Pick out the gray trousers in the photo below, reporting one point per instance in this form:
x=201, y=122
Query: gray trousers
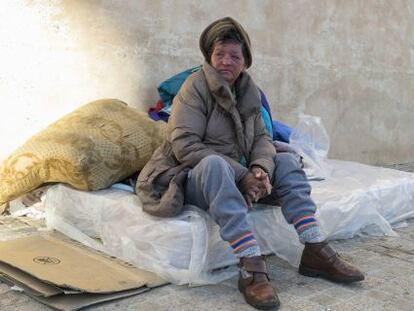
x=211, y=186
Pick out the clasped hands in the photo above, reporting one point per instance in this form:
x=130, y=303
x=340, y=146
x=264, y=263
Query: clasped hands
x=255, y=185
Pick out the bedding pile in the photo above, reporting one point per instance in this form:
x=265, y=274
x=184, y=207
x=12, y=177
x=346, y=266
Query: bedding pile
x=352, y=199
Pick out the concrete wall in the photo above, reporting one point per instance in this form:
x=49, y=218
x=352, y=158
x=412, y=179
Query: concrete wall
x=348, y=61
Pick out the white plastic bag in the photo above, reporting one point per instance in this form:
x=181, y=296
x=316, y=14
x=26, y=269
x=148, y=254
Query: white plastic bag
x=311, y=141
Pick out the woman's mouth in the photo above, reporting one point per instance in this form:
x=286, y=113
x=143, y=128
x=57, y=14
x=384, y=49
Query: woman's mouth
x=225, y=71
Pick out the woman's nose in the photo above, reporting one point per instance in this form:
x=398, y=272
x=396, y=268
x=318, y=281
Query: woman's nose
x=226, y=60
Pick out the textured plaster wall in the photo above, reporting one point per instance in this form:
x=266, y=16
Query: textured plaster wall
x=349, y=62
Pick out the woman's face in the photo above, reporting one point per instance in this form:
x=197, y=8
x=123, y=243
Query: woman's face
x=227, y=59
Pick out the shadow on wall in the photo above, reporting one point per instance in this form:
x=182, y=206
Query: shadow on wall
x=359, y=116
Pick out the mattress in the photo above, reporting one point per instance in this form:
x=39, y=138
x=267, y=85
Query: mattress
x=355, y=199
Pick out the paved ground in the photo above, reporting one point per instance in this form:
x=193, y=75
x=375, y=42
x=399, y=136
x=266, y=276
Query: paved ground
x=387, y=261
x=408, y=167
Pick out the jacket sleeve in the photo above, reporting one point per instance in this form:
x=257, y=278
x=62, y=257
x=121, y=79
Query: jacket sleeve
x=186, y=128
x=263, y=152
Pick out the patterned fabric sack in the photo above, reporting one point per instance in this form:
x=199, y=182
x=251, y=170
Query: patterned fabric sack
x=91, y=148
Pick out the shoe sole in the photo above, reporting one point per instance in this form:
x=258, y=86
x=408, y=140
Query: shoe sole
x=320, y=274
x=260, y=306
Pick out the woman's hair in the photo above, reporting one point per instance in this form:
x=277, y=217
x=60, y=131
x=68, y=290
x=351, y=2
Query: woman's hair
x=228, y=36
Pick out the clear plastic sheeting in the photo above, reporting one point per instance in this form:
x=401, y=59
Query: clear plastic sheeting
x=311, y=141
x=112, y=221
x=356, y=199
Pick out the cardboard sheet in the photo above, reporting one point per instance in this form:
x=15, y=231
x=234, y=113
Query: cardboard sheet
x=66, y=275
x=29, y=284
x=76, y=302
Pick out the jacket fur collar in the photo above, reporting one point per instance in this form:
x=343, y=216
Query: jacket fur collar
x=248, y=96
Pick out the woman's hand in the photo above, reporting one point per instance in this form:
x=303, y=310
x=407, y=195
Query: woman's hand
x=255, y=185
x=266, y=186
x=250, y=188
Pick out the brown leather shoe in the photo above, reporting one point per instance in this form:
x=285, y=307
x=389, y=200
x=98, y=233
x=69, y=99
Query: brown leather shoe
x=320, y=260
x=257, y=290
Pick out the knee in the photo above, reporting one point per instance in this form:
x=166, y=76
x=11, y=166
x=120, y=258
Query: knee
x=286, y=163
x=213, y=162
x=287, y=159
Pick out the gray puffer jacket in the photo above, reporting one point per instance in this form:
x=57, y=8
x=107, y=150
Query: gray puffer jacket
x=206, y=119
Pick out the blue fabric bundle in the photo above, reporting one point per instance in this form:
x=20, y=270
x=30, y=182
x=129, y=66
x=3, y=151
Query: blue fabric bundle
x=170, y=87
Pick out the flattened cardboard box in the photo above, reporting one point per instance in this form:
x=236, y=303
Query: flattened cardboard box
x=65, y=275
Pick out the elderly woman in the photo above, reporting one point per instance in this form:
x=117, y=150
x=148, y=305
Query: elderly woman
x=219, y=157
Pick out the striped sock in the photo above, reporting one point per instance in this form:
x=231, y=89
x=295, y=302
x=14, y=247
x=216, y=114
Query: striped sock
x=245, y=246
x=250, y=251
x=308, y=230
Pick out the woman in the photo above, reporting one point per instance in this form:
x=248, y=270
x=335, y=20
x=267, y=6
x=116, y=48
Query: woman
x=218, y=156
